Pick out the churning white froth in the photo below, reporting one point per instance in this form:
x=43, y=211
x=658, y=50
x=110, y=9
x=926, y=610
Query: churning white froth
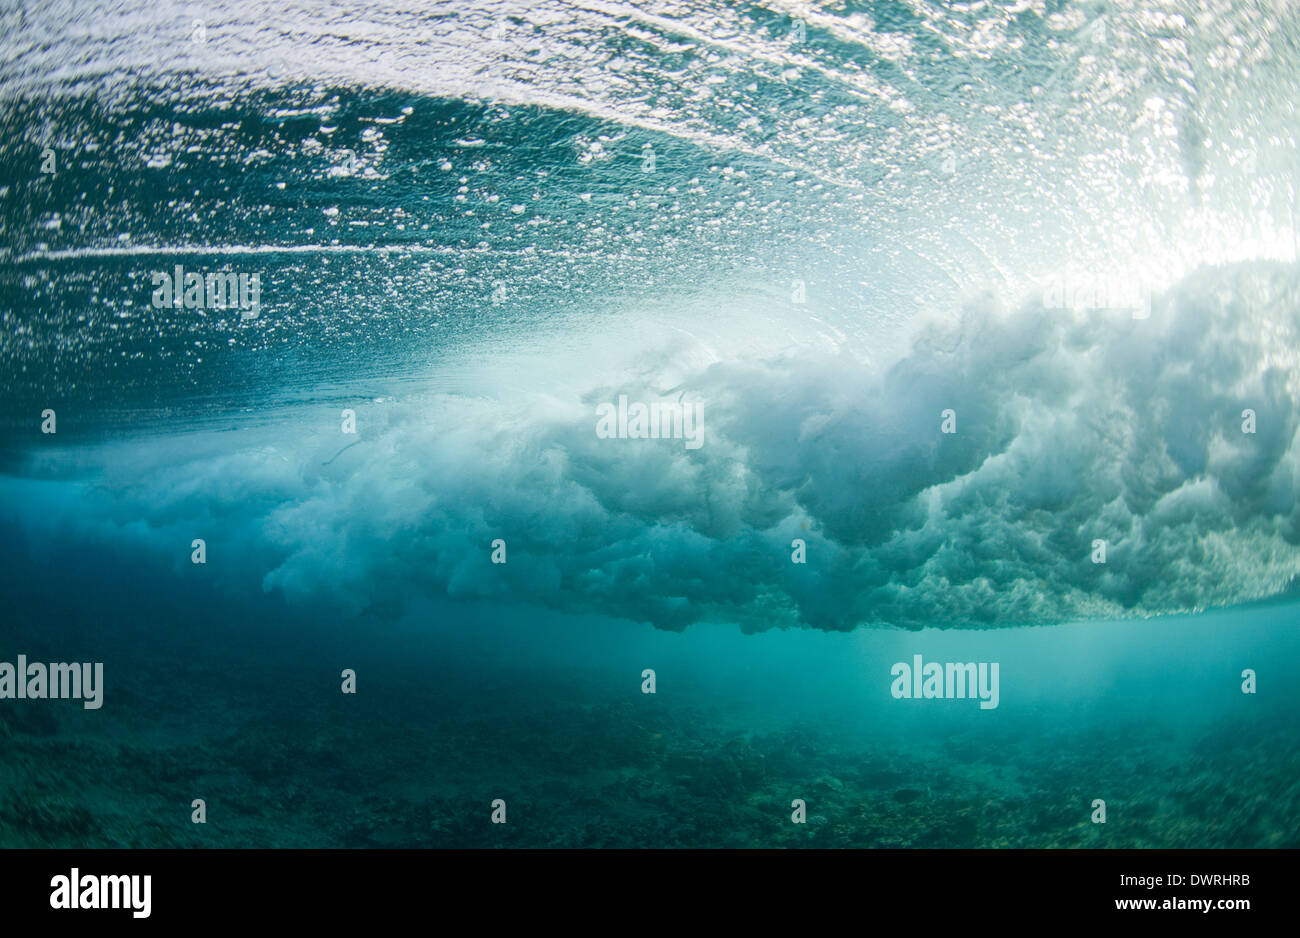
x=1071, y=427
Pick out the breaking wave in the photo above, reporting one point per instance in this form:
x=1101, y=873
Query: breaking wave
x=474, y=223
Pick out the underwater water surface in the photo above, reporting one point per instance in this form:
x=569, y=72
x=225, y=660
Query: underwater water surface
x=971, y=332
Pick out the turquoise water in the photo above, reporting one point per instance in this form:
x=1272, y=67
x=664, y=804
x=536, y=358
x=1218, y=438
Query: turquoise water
x=958, y=295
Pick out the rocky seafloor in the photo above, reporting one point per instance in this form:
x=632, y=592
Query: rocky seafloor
x=415, y=759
